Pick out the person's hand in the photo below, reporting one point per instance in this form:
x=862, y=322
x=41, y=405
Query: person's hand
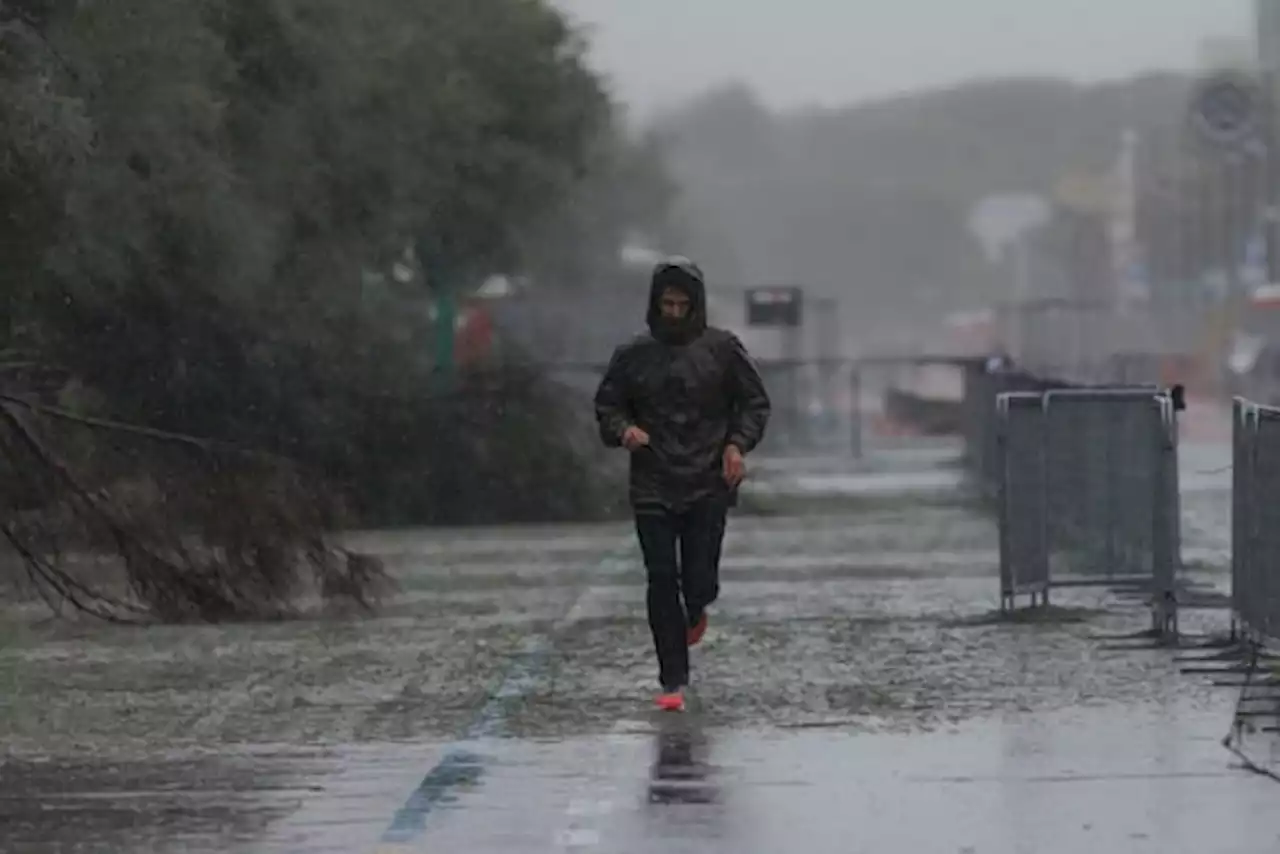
x=633, y=438
x=735, y=467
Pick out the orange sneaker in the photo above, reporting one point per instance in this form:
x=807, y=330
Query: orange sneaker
x=671, y=701
x=697, y=630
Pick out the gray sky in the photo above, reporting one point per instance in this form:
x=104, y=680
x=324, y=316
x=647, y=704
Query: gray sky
x=839, y=51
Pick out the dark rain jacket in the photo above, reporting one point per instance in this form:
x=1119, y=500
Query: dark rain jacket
x=693, y=389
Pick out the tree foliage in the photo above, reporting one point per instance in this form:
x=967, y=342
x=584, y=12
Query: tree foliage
x=194, y=194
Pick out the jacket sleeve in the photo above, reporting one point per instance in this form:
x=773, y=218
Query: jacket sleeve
x=613, y=414
x=750, y=404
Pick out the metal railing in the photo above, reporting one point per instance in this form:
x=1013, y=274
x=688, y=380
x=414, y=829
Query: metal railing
x=1087, y=494
x=816, y=405
x=850, y=407
x=1255, y=521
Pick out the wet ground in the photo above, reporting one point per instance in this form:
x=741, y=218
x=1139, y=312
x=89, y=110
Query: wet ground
x=856, y=692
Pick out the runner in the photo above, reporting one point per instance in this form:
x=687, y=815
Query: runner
x=687, y=402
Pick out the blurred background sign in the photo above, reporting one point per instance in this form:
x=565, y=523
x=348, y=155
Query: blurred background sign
x=1226, y=108
x=775, y=306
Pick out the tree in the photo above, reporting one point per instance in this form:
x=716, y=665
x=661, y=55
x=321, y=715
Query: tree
x=201, y=196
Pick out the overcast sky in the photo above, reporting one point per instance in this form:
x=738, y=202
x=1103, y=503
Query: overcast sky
x=802, y=52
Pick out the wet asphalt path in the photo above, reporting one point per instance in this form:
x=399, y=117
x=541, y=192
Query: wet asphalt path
x=855, y=694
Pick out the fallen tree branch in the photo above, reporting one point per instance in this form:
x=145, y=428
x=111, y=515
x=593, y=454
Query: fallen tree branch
x=195, y=529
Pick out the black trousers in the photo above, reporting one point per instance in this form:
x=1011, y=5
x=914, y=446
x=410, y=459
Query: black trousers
x=681, y=551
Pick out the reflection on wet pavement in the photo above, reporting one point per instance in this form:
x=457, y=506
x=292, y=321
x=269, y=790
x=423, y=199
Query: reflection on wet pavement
x=855, y=693
x=680, y=774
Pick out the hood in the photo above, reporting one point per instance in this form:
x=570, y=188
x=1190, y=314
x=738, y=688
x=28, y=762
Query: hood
x=681, y=273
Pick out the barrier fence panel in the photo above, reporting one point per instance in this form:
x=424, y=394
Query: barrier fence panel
x=1104, y=479
x=1255, y=535
x=981, y=426
x=1243, y=437
x=1024, y=554
x=1265, y=527
x=982, y=387
x=1105, y=459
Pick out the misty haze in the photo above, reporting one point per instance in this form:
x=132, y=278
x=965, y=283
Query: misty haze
x=603, y=425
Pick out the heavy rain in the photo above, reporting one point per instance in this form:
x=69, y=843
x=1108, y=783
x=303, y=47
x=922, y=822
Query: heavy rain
x=354, y=350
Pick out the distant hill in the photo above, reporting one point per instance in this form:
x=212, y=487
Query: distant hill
x=870, y=202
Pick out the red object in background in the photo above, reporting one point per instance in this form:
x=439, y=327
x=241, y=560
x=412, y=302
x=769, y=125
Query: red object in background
x=473, y=341
x=971, y=332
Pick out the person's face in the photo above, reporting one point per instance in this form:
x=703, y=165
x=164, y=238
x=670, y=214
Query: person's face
x=674, y=304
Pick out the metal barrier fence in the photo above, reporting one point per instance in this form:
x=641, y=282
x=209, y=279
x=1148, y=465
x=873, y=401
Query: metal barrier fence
x=983, y=385
x=1255, y=520
x=1088, y=494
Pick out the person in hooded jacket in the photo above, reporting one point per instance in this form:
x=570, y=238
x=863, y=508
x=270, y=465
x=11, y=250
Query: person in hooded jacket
x=687, y=402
